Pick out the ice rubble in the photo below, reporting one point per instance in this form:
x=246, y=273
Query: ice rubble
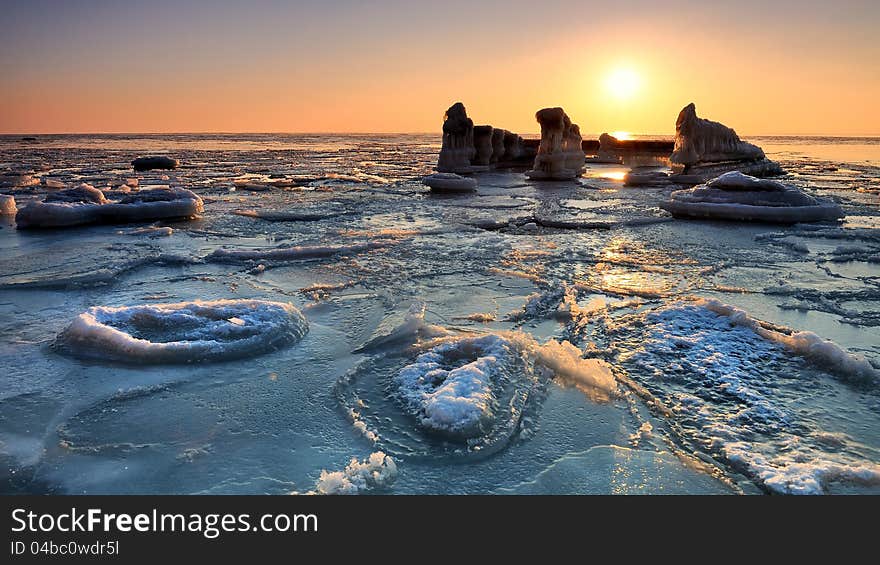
x=154, y=162
x=706, y=147
x=456, y=387
x=712, y=368
x=556, y=152
x=88, y=205
x=7, y=205
x=292, y=252
x=450, y=182
x=183, y=332
x=458, y=141
x=376, y=471
x=736, y=196
x=807, y=344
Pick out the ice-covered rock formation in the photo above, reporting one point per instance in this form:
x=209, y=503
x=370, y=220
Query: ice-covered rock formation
x=7, y=205
x=458, y=141
x=735, y=196
x=551, y=162
x=154, y=162
x=702, y=144
x=482, y=146
x=512, y=146
x=575, y=156
x=497, y=145
x=450, y=182
x=185, y=332
x=88, y=205
x=609, y=150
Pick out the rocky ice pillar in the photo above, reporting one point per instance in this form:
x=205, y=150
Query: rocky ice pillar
x=575, y=156
x=458, y=141
x=497, y=145
x=482, y=145
x=550, y=162
x=698, y=140
x=512, y=146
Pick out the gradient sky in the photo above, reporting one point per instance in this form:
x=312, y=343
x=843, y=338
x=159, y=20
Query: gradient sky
x=807, y=67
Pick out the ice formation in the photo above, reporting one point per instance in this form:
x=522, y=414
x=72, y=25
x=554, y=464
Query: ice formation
x=575, y=157
x=497, y=145
x=482, y=146
x=396, y=332
x=645, y=178
x=377, y=471
x=456, y=388
x=554, y=156
x=7, y=205
x=701, y=143
x=88, y=205
x=450, y=182
x=292, y=252
x=458, y=141
x=154, y=162
x=608, y=150
x=512, y=147
x=735, y=196
x=184, y=332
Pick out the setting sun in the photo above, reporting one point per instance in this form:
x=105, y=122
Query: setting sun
x=622, y=83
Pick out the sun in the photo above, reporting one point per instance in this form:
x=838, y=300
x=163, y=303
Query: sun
x=622, y=83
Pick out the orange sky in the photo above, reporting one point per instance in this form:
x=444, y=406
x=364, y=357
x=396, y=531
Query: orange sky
x=393, y=67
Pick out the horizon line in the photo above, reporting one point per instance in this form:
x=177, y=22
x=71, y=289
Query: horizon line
x=438, y=133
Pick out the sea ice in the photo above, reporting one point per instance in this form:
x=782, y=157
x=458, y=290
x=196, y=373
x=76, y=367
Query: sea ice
x=87, y=205
x=450, y=182
x=184, y=332
x=735, y=196
x=377, y=471
x=292, y=252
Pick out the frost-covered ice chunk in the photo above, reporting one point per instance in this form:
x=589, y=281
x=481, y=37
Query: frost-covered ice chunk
x=456, y=388
x=183, y=332
x=293, y=252
x=7, y=205
x=154, y=162
x=554, y=152
x=450, y=182
x=735, y=196
x=377, y=471
x=88, y=205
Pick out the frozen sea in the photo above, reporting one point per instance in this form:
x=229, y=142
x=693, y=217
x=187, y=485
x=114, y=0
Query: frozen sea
x=705, y=398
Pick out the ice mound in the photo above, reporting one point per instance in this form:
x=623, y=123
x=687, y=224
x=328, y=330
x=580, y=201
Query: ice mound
x=376, y=471
x=458, y=141
x=736, y=196
x=184, y=332
x=456, y=388
x=555, y=152
x=88, y=205
x=450, y=182
x=154, y=162
x=700, y=142
x=292, y=252
x=7, y=205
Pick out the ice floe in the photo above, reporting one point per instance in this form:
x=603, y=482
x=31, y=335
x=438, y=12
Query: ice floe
x=736, y=196
x=450, y=182
x=88, y=205
x=183, y=332
x=292, y=252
